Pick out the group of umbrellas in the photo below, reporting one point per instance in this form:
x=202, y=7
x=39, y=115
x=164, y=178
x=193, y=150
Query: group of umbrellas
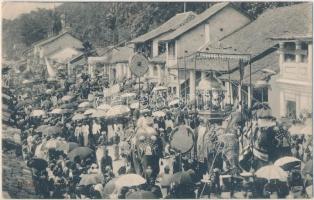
x=279, y=170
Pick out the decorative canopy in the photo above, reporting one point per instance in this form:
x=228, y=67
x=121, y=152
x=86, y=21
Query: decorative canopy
x=210, y=83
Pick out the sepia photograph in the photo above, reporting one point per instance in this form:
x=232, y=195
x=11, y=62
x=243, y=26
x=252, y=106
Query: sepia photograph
x=157, y=100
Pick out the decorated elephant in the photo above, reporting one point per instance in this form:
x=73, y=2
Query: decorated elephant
x=146, y=148
x=266, y=141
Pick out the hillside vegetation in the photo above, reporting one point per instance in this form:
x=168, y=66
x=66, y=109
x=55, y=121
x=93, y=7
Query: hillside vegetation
x=103, y=23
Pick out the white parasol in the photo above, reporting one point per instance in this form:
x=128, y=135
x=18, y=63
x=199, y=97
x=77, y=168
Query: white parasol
x=90, y=111
x=78, y=117
x=60, y=111
x=84, y=105
x=128, y=95
x=37, y=113
x=129, y=180
x=287, y=162
x=67, y=98
x=135, y=105
x=159, y=114
x=117, y=111
x=272, y=172
x=104, y=106
x=99, y=114
x=174, y=102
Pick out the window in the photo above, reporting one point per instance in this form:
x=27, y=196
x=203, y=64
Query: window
x=291, y=109
x=174, y=90
x=161, y=48
x=289, y=51
x=304, y=52
x=172, y=49
x=155, y=71
x=260, y=95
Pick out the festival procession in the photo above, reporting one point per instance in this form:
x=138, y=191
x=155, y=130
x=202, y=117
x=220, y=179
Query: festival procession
x=211, y=104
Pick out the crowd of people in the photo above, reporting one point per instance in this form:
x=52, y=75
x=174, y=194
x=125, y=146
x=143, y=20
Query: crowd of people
x=60, y=173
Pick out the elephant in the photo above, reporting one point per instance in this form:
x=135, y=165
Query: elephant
x=146, y=148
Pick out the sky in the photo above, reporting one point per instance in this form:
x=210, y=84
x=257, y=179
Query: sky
x=11, y=10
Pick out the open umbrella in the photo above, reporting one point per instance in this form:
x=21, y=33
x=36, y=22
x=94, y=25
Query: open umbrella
x=272, y=172
x=308, y=168
x=129, y=180
x=69, y=105
x=67, y=98
x=174, y=102
x=40, y=128
x=78, y=117
x=90, y=179
x=135, y=105
x=141, y=194
x=99, y=114
x=90, y=111
x=84, y=105
x=128, y=95
x=81, y=152
x=52, y=130
x=104, y=107
x=38, y=113
x=37, y=163
x=159, y=114
x=117, y=111
x=287, y=162
x=60, y=111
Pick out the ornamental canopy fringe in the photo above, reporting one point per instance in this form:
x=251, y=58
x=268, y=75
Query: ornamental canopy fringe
x=212, y=61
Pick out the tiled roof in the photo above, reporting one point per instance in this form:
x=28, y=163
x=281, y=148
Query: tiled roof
x=51, y=39
x=255, y=38
x=172, y=24
x=198, y=19
x=270, y=61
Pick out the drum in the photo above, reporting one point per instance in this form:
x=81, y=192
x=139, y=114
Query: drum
x=182, y=139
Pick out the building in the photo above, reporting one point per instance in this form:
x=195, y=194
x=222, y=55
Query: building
x=207, y=27
x=295, y=78
x=54, y=53
x=278, y=40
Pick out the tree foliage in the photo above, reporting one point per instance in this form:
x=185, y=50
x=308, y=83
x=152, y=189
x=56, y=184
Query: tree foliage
x=103, y=23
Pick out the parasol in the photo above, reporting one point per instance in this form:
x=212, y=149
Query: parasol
x=84, y=105
x=68, y=105
x=40, y=128
x=37, y=163
x=81, y=152
x=67, y=98
x=141, y=194
x=90, y=179
x=129, y=180
x=271, y=172
x=51, y=130
x=78, y=117
x=90, y=111
x=128, y=95
x=287, y=162
x=135, y=105
x=38, y=113
x=104, y=106
x=158, y=88
x=174, y=102
x=159, y=114
x=60, y=111
x=99, y=114
x=119, y=110
x=182, y=139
